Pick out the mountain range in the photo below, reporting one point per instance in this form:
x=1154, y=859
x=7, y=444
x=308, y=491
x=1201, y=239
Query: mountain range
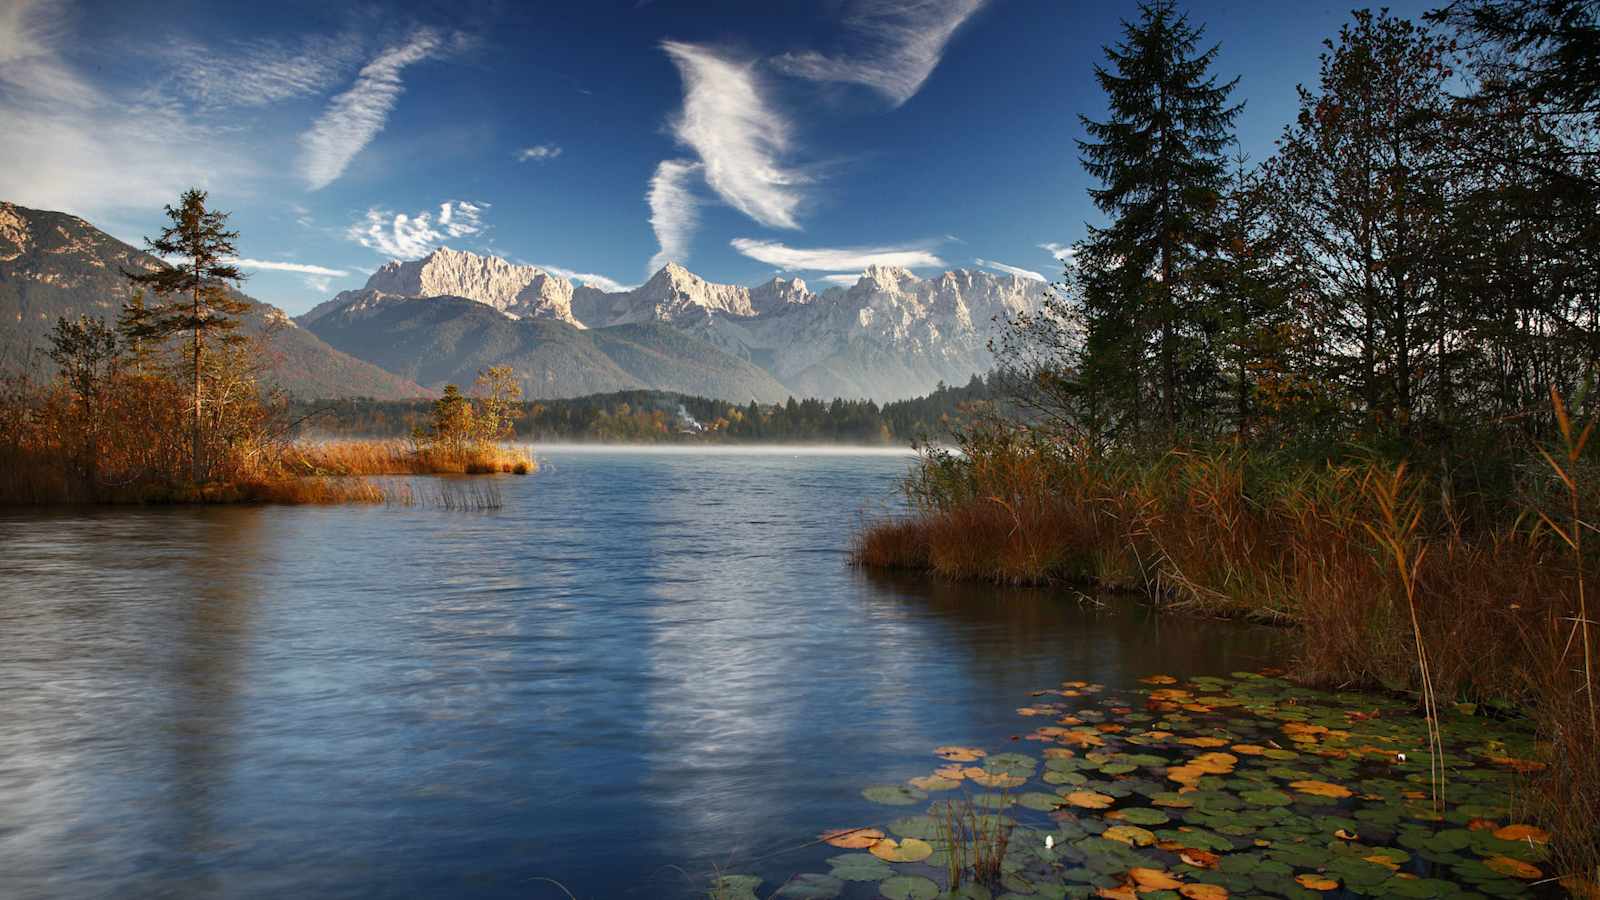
x=890, y=335
x=420, y=324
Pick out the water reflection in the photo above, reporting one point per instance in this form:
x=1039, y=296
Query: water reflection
x=640, y=663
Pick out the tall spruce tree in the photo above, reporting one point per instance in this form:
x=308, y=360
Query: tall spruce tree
x=198, y=284
x=1160, y=160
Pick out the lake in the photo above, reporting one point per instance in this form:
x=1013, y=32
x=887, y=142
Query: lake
x=643, y=666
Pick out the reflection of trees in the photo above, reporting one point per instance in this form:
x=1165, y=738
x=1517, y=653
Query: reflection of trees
x=214, y=587
x=1110, y=638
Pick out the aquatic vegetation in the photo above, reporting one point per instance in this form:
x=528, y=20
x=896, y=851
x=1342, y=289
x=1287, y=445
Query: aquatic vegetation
x=1215, y=787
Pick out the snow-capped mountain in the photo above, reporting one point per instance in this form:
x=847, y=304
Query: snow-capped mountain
x=522, y=292
x=890, y=335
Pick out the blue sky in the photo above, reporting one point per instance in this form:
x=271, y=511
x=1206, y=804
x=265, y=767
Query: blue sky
x=597, y=138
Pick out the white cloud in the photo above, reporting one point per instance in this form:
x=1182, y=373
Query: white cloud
x=262, y=71
x=673, y=210
x=845, y=280
x=540, y=153
x=267, y=265
x=610, y=286
x=356, y=116
x=825, y=259
x=1010, y=270
x=399, y=236
x=67, y=145
x=740, y=138
x=894, y=45
x=1062, y=252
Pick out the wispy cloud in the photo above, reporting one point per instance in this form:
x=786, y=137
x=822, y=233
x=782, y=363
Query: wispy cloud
x=66, y=144
x=1010, y=270
x=892, y=47
x=1062, y=252
x=609, y=285
x=356, y=116
x=843, y=279
x=399, y=236
x=833, y=259
x=740, y=139
x=267, y=265
x=539, y=153
x=674, y=210
x=261, y=71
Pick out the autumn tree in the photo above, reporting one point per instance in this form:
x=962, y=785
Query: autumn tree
x=198, y=302
x=1363, y=188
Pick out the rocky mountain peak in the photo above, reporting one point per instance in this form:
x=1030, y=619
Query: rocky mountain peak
x=520, y=291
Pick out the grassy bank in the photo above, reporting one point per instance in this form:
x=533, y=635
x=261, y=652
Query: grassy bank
x=1473, y=589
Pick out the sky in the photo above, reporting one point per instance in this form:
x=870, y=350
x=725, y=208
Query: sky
x=599, y=139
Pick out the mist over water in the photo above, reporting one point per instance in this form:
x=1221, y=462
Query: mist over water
x=647, y=659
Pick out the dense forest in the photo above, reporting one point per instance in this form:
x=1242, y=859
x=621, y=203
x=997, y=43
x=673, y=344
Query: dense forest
x=661, y=417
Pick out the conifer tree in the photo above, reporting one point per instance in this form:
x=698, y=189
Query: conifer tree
x=1159, y=158
x=198, y=284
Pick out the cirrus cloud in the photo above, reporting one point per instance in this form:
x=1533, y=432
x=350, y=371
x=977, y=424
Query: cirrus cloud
x=356, y=116
x=894, y=45
x=399, y=236
x=832, y=259
x=1010, y=270
x=674, y=210
x=738, y=135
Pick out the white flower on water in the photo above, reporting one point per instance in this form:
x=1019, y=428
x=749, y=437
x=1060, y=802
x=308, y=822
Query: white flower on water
x=1049, y=841
x=1399, y=757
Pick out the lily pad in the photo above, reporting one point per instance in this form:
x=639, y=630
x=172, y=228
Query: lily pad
x=909, y=887
x=894, y=795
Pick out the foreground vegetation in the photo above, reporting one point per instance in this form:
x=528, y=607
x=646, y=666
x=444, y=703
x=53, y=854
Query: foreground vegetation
x=166, y=406
x=1345, y=390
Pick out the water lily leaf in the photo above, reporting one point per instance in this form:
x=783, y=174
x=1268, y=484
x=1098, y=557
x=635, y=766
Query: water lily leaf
x=859, y=867
x=1039, y=800
x=1523, y=833
x=1132, y=835
x=1204, y=892
x=1140, y=815
x=1147, y=879
x=1089, y=800
x=1159, y=679
x=1266, y=798
x=924, y=827
x=959, y=754
x=1515, y=868
x=909, y=887
x=894, y=795
x=909, y=850
x=1312, y=882
x=1012, y=764
x=851, y=838
x=1200, y=859
x=735, y=887
x=1322, y=789
x=811, y=887
x=997, y=779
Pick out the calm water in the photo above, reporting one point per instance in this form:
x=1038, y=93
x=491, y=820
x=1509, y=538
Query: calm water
x=642, y=664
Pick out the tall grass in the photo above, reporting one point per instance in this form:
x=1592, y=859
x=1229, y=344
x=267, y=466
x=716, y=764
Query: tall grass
x=1393, y=578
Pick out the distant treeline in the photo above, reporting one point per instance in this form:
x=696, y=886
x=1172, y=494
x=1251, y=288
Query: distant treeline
x=664, y=417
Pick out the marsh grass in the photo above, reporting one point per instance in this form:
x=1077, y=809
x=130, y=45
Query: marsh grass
x=972, y=839
x=1392, y=578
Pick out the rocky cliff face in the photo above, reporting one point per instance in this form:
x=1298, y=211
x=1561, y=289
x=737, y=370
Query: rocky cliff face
x=523, y=292
x=890, y=335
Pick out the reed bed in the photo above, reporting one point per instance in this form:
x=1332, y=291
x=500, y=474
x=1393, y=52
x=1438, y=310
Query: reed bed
x=1392, y=579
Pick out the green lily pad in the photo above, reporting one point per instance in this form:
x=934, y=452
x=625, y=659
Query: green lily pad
x=811, y=887
x=909, y=887
x=894, y=795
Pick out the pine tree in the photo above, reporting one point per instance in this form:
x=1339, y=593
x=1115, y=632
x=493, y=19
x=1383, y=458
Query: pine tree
x=1160, y=161
x=199, y=284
